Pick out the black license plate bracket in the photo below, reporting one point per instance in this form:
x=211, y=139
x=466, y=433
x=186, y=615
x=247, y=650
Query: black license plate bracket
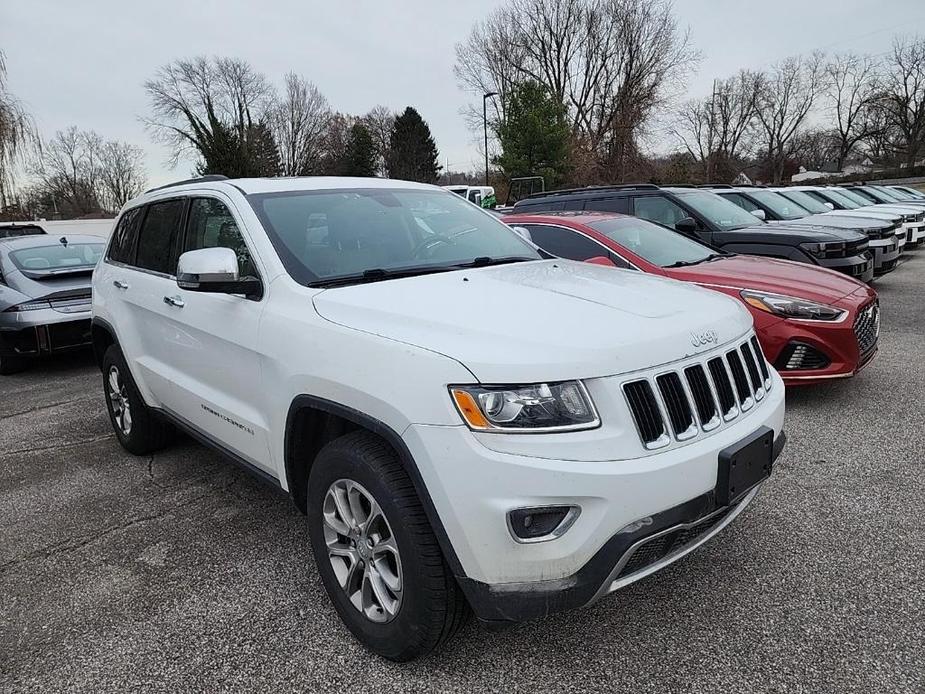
x=743, y=465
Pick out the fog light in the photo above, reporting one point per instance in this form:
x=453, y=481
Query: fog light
x=541, y=523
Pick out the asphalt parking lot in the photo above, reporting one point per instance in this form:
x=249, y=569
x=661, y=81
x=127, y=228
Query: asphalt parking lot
x=181, y=573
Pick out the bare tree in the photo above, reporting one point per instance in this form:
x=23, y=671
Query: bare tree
x=379, y=122
x=299, y=121
x=18, y=136
x=904, y=95
x=122, y=175
x=69, y=171
x=786, y=99
x=718, y=131
x=852, y=89
x=199, y=105
x=78, y=172
x=611, y=62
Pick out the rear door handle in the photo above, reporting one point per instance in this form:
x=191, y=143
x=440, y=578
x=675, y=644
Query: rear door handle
x=174, y=301
x=119, y=284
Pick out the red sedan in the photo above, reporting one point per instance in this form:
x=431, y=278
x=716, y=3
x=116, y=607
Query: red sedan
x=814, y=324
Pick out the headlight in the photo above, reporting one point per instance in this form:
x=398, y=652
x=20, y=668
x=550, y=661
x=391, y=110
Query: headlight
x=824, y=250
x=791, y=306
x=564, y=406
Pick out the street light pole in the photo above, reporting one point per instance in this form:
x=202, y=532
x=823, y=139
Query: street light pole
x=485, y=98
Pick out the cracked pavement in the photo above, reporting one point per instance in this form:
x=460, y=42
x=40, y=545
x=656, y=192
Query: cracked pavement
x=179, y=572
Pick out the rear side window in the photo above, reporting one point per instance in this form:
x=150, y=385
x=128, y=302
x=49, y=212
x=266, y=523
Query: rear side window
x=122, y=246
x=210, y=225
x=565, y=243
x=158, y=237
x=612, y=204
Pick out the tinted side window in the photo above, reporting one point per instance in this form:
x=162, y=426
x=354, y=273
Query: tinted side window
x=611, y=204
x=122, y=246
x=211, y=225
x=158, y=236
x=657, y=209
x=565, y=243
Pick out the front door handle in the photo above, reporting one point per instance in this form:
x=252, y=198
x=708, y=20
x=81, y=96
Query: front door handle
x=174, y=301
x=119, y=284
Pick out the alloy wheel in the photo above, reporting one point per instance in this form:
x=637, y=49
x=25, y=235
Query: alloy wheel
x=118, y=401
x=362, y=550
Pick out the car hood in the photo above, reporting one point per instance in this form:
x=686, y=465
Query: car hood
x=770, y=275
x=803, y=234
x=840, y=222
x=543, y=320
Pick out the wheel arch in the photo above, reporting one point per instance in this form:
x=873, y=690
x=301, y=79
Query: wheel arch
x=103, y=335
x=313, y=421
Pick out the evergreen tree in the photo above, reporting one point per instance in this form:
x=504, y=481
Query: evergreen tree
x=360, y=156
x=534, y=135
x=228, y=154
x=412, y=154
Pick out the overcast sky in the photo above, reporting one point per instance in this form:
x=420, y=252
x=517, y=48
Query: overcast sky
x=83, y=63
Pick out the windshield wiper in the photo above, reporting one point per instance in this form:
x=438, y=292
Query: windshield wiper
x=707, y=259
x=485, y=261
x=378, y=274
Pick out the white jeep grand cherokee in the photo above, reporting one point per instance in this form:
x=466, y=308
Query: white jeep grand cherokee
x=466, y=423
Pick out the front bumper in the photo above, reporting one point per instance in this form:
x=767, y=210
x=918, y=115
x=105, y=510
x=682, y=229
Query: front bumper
x=886, y=253
x=45, y=331
x=837, y=341
x=860, y=267
x=473, y=487
x=676, y=531
x=915, y=233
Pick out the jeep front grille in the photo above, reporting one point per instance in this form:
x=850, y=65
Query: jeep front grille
x=867, y=327
x=680, y=404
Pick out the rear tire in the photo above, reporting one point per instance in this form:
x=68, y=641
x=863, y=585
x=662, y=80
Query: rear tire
x=12, y=365
x=138, y=428
x=390, y=586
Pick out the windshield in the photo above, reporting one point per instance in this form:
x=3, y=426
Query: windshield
x=652, y=242
x=843, y=199
x=875, y=194
x=891, y=195
x=720, y=212
x=778, y=204
x=856, y=197
x=805, y=200
x=73, y=256
x=344, y=233
x=897, y=193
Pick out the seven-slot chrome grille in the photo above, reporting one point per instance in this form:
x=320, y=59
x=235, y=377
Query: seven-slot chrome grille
x=682, y=403
x=867, y=327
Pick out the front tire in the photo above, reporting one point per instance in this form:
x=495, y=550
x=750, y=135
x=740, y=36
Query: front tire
x=138, y=429
x=376, y=552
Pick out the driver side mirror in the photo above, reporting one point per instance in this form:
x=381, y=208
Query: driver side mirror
x=829, y=205
x=688, y=226
x=215, y=270
x=758, y=213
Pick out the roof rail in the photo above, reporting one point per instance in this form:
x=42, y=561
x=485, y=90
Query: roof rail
x=718, y=185
x=200, y=179
x=594, y=189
